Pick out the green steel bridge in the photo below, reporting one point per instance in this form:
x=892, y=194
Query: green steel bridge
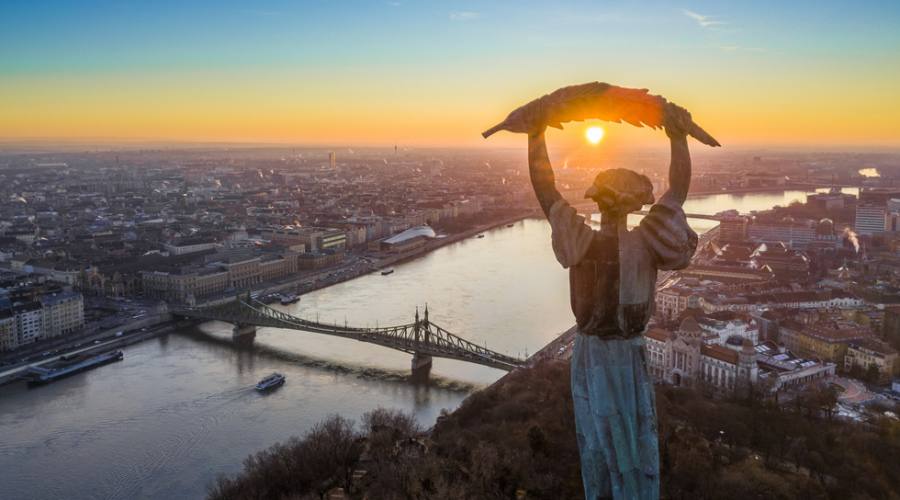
x=421, y=338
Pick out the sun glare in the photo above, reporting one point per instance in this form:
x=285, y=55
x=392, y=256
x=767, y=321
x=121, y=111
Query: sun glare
x=594, y=135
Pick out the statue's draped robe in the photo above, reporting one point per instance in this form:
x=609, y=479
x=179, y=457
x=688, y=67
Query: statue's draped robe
x=613, y=281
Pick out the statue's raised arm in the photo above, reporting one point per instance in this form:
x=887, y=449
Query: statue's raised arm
x=677, y=122
x=541, y=172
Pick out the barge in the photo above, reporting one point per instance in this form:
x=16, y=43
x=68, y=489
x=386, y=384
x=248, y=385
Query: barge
x=69, y=365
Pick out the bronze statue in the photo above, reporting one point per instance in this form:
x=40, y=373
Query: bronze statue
x=612, y=276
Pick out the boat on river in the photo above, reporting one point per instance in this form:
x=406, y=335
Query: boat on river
x=288, y=298
x=69, y=365
x=387, y=272
x=270, y=382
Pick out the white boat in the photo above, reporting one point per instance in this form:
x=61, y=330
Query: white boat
x=288, y=298
x=272, y=381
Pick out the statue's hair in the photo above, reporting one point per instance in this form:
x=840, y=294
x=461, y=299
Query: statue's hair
x=620, y=191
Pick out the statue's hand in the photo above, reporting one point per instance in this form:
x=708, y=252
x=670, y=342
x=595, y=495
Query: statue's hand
x=677, y=121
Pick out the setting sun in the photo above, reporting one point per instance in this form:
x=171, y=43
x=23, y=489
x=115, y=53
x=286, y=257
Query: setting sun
x=594, y=135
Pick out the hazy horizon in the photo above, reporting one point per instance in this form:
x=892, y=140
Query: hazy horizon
x=75, y=145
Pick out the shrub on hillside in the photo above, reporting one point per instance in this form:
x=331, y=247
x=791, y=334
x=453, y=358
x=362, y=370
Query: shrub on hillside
x=518, y=436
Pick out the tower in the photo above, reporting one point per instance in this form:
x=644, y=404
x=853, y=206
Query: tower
x=421, y=363
x=747, y=370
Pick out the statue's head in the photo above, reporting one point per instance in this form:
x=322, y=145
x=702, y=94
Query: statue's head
x=620, y=191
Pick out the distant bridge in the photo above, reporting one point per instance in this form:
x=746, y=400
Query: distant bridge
x=689, y=216
x=421, y=338
x=589, y=204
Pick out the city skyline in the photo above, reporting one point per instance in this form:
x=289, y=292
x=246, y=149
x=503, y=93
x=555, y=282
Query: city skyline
x=436, y=74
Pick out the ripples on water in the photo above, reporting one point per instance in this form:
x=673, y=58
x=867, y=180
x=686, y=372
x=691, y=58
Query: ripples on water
x=181, y=409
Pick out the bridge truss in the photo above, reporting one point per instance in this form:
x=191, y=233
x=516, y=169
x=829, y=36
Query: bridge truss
x=421, y=337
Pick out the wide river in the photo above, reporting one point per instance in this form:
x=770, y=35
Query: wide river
x=181, y=409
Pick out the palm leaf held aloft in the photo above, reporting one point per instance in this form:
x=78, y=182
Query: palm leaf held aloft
x=604, y=102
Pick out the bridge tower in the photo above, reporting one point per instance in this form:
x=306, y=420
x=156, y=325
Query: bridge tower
x=421, y=363
x=243, y=334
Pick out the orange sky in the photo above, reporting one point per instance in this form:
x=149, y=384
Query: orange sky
x=440, y=84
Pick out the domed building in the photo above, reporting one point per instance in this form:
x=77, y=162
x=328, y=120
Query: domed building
x=735, y=342
x=693, y=356
x=413, y=237
x=825, y=227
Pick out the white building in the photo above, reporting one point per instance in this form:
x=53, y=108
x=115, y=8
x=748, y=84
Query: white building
x=673, y=300
x=792, y=234
x=51, y=316
x=189, y=246
x=870, y=219
x=726, y=324
x=690, y=356
x=780, y=369
x=29, y=323
x=729, y=368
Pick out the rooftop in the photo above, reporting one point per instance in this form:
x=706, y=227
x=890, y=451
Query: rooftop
x=411, y=233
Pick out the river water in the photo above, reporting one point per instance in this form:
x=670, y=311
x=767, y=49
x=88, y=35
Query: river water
x=181, y=409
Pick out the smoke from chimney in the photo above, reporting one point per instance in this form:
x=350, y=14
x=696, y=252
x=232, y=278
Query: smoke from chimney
x=850, y=235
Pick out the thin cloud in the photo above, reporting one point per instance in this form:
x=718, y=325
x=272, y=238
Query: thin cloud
x=464, y=15
x=738, y=48
x=704, y=21
x=261, y=12
x=394, y=4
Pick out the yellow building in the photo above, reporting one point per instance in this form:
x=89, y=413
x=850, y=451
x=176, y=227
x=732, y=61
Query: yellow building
x=869, y=352
x=825, y=343
x=8, y=333
x=63, y=313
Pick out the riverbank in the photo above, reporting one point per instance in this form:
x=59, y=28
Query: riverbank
x=354, y=268
x=436, y=243
x=103, y=341
x=752, y=190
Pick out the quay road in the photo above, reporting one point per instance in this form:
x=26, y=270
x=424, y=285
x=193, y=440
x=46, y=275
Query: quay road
x=101, y=344
x=109, y=316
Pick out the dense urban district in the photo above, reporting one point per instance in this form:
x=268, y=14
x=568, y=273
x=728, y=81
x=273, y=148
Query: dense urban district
x=778, y=304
